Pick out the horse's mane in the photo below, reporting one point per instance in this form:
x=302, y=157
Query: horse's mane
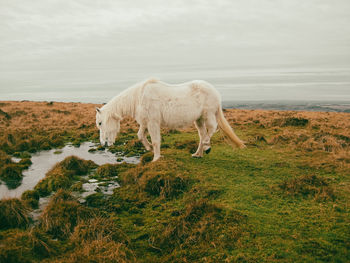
x=126, y=102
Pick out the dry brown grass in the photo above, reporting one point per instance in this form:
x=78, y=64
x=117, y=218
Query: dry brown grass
x=13, y=214
x=26, y=246
x=42, y=115
x=198, y=228
x=158, y=179
x=26, y=126
x=99, y=251
x=326, y=132
x=62, y=214
x=98, y=228
x=29, y=115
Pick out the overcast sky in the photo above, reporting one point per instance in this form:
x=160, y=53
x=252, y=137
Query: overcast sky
x=249, y=49
x=58, y=34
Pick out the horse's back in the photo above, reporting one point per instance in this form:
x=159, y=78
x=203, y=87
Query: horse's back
x=179, y=105
x=197, y=89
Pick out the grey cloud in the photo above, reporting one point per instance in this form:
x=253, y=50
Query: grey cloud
x=87, y=33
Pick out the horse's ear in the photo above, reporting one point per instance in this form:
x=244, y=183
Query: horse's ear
x=116, y=117
x=98, y=110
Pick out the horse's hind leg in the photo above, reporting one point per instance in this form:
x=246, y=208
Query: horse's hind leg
x=142, y=137
x=154, y=132
x=202, y=132
x=211, y=125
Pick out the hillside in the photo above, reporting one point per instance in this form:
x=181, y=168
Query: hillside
x=285, y=198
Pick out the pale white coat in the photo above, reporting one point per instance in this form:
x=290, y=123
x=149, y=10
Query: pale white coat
x=155, y=104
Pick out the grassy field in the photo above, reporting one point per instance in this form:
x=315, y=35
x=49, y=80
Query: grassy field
x=285, y=198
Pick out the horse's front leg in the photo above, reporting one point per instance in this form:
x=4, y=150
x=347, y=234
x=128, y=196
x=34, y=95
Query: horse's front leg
x=154, y=132
x=142, y=137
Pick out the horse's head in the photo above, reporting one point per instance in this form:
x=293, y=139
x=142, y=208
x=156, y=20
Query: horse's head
x=109, y=125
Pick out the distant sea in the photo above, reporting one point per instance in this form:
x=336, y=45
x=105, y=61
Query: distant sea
x=318, y=89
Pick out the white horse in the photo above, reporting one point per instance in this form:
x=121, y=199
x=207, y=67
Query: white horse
x=155, y=104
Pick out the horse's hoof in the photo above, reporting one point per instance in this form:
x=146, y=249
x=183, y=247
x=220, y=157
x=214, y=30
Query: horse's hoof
x=207, y=151
x=196, y=156
x=156, y=158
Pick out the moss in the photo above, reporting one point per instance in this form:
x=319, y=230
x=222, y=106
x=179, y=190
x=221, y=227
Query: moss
x=13, y=214
x=31, y=198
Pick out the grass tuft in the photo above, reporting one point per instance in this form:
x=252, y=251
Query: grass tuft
x=13, y=214
x=189, y=145
x=107, y=170
x=26, y=246
x=62, y=214
x=31, y=198
x=308, y=185
x=199, y=228
x=98, y=228
x=147, y=158
x=100, y=250
x=11, y=174
x=62, y=175
x=164, y=184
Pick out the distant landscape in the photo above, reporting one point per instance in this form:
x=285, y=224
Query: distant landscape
x=327, y=106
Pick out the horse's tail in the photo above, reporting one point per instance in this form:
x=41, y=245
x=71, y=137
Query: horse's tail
x=225, y=127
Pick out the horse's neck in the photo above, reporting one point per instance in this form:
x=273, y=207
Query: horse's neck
x=125, y=103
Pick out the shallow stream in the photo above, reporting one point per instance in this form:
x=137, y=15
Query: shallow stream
x=43, y=161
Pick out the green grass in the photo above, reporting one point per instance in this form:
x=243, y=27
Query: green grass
x=278, y=225
x=266, y=203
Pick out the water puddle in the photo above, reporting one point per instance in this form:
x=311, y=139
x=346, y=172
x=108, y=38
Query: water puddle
x=43, y=161
x=94, y=186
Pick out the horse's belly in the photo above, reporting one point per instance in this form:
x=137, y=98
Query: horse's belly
x=177, y=124
x=180, y=117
